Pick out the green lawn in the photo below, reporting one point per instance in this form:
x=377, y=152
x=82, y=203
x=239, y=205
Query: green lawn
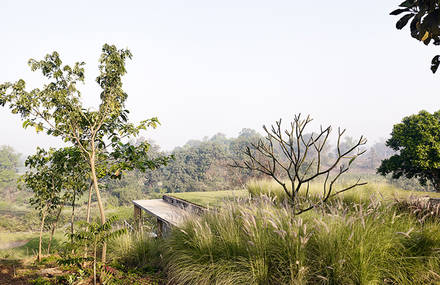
x=211, y=198
x=6, y=237
x=32, y=238
x=31, y=247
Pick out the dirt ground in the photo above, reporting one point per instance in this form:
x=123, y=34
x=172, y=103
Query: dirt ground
x=17, y=272
x=26, y=272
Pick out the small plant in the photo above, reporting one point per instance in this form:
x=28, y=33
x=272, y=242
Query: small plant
x=41, y=281
x=90, y=237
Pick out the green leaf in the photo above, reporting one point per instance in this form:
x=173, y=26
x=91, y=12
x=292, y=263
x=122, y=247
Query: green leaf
x=399, y=11
x=407, y=3
x=435, y=63
x=415, y=23
x=38, y=128
x=403, y=21
x=26, y=124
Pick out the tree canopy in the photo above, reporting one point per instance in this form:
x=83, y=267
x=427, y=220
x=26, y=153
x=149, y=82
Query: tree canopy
x=204, y=165
x=56, y=108
x=46, y=179
x=425, y=22
x=417, y=143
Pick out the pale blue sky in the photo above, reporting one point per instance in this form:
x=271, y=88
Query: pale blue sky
x=204, y=67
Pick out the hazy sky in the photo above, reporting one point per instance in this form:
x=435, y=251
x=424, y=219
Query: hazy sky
x=204, y=67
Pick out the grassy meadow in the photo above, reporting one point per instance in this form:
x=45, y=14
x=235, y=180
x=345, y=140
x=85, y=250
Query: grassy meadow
x=257, y=188
x=28, y=244
x=211, y=198
x=260, y=243
x=365, y=236
x=381, y=190
x=31, y=237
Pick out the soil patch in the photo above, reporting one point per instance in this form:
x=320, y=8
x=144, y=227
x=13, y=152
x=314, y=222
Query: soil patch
x=14, y=272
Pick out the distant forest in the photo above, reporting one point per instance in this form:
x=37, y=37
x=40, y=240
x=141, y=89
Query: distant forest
x=205, y=165
x=199, y=165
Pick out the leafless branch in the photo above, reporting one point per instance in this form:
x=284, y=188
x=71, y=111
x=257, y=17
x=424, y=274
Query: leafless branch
x=297, y=157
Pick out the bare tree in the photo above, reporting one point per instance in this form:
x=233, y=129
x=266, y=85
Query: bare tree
x=295, y=157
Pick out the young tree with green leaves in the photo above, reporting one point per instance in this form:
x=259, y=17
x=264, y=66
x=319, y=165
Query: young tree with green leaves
x=417, y=143
x=92, y=236
x=46, y=184
x=56, y=177
x=56, y=108
x=73, y=170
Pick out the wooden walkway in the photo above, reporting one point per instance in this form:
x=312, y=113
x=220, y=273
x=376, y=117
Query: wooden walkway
x=162, y=210
x=169, y=212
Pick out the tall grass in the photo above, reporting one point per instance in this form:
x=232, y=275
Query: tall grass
x=211, y=198
x=361, y=237
x=262, y=243
x=359, y=194
x=137, y=250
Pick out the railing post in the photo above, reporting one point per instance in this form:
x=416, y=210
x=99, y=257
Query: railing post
x=160, y=228
x=138, y=217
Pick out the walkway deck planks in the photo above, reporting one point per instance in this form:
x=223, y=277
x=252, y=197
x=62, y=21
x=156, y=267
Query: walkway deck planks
x=168, y=211
x=162, y=210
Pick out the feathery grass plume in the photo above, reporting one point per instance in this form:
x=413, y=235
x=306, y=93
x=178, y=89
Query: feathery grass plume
x=262, y=242
x=137, y=249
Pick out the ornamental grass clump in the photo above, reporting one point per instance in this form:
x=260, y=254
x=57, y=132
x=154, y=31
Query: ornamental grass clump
x=239, y=244
x=138, y=250
x=421, y=207
x=262, y=242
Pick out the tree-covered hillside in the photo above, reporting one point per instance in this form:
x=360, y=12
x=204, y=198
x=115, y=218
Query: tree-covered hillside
x=206, y=165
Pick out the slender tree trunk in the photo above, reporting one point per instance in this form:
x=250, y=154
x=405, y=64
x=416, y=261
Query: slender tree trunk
x=98, y=197
x=43, y=218
x=53, y=229
x=94, y=264
x=72, y=218
x=89, y=202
